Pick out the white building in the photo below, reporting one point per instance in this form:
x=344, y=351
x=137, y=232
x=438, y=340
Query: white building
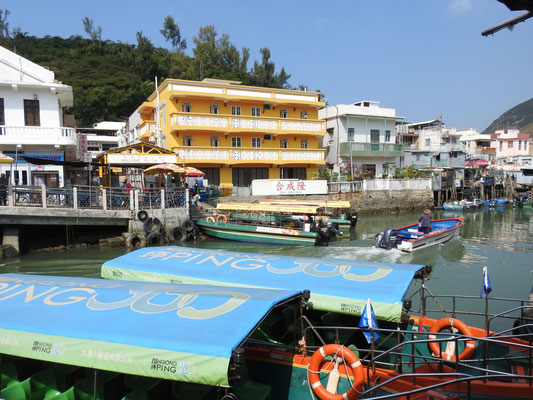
x=476, y=145
x=32, y=105
x=103, y=136
x=361, y=138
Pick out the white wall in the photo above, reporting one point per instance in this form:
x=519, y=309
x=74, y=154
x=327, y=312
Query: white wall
x=50, y=113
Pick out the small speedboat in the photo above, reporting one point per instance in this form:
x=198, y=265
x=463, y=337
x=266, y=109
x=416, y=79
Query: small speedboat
x=409, y=238
x=454, y=205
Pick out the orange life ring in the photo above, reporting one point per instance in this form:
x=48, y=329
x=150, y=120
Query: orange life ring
x=221, y=216
x=210, y=219
x=448, y=323
x=352, y=362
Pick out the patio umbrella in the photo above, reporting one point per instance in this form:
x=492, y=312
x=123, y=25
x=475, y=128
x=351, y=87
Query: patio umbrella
x=164, y=169
x=5, y=159
x=191, y=171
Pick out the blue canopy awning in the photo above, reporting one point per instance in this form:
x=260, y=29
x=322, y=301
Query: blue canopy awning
x=162, y=330
x=335, y=284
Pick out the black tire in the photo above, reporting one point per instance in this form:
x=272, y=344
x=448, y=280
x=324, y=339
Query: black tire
x=135, y=240
x=184, y=235
x=154, y=239
x=188, y=225
x=175, y=234
x=152, y=225
x=194, y=233
x=142, y=215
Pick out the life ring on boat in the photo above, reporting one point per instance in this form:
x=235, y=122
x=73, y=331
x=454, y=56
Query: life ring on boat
x=135, y=240
x=154, y=239
x=351, y=362
x=222, y=216
x=210, y=219
x=448, y=323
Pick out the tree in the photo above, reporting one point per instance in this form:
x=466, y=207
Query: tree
x=171, y=32
x=94, y=33
x=4, y=24
x=264, y=73
x=145, y=64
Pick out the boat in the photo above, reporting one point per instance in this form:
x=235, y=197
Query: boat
x=418, y=348
x=496, y=202
x=265, y=223
x=454, y=206
x=79, y=338
x=409, y=238
x=345, y=221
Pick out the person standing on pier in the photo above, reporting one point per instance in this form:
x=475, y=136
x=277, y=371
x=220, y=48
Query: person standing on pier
x=425, y=221
x=3, y=189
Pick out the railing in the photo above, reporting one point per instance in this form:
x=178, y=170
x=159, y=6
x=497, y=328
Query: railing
x=147, y=127
x=37, y=135
x=231, y=154
x=92, y=197
x=397, y=184
x=246, y=123
x=371, y=149
x=345, y=187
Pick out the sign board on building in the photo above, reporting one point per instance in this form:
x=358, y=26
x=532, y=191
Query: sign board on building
x=141, y=158
x=277, y=187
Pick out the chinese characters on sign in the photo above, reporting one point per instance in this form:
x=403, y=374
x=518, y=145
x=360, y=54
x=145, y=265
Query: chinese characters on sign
x=266, y=187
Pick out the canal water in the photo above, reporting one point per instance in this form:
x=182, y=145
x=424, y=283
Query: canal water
x=501, y=239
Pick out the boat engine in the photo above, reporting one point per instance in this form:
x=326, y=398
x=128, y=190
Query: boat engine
x=352, y=217
x=335, y=231
x=386, y=240
x=324, y=235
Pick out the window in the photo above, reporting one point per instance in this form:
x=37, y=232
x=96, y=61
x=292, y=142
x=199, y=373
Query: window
x=519, y=145
x=162, y=118
x=304, y=114
x=235, y=110
x=215, y=141
x=525, y=144
x=256, y=142
x=243, y=177
x=387, y=136
x=510, y=144
x=293, y=173
x=351, y=134
x=454, y=140
x=283, y=113
x=93, y=146
x=330, y=131
x=256, y=111
x=501, y=145
x=213, y=109
x=2, y=112
x=235, y=142
x=31, y=113
x=186, y=107
x=284, y=143
x=108, y=146
x=187, y=140
x=305, y=144
x=428, y=142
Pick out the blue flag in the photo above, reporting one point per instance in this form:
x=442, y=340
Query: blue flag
x=486, y=288
x=368, y=320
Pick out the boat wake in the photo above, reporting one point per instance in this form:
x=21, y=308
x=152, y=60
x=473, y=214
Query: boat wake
x=363, y=253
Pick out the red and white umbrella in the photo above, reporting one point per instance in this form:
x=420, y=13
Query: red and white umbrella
x=5, y=159
x=191, y=171
x=164, y=169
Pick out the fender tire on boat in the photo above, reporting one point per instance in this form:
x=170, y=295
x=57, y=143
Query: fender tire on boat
x=152, y=225
x=188, y=225
x=154, y=239
x=135, y=240
x=142, y=215
x=175, y=234
x=352, y=363
x=443, y=323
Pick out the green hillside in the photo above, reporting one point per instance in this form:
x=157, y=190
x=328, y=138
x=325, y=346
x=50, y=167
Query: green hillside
x=518, y=117
x=111, y=79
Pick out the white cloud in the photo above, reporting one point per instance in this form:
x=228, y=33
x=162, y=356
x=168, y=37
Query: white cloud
x=460, y=6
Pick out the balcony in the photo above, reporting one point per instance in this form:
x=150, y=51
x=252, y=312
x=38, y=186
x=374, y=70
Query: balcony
x=354, y=149
x=147, y=127
x=242, y=155
x=242, y=123
x=37, y=135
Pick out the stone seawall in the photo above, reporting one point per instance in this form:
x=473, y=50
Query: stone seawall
x=366, y=202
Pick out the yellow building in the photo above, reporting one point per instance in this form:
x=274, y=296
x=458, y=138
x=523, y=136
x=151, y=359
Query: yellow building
x=236, y=133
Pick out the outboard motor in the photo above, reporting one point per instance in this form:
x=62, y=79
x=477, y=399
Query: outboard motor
x=335, y=231
x=352, y=217
x=387, y=240
x=324, y=235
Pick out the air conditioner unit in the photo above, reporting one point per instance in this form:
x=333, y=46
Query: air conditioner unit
x=266, y=106
x=268, y=137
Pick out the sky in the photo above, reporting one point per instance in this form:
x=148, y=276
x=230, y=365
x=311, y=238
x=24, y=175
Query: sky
x=426, y=59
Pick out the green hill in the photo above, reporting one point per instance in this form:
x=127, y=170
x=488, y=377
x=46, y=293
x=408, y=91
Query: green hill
x=518, y=117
